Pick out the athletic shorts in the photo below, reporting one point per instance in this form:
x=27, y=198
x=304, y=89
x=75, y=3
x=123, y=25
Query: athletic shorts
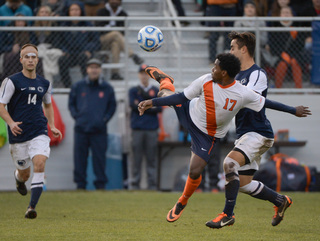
x=252, y=145
x=22, y=153
x=201, y=143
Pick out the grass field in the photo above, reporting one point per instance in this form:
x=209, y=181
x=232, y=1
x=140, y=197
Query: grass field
x=141, y=215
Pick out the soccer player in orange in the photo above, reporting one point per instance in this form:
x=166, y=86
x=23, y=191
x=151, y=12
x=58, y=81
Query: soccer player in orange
x=208, y=105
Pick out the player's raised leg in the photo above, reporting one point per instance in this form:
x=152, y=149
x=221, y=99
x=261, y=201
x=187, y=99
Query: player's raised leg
x=166, y=81
x=21, y=176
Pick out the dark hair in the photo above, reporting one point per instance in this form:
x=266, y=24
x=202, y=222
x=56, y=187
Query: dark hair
x=244, y=39
x=28, y=45
x=229, y=63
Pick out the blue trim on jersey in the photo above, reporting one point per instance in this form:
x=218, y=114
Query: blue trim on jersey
x=257, y=78
x=26, y=106
x=201, y=144
x=248, y=120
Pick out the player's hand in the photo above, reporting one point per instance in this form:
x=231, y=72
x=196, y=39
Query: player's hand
x=15, y=129
x=144, y=105
x=302, y=111
x=56, y=133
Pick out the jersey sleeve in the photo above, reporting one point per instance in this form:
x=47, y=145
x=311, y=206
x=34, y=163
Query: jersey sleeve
x=47, y=96
x=253, y=101
x=6, y=91
x=195, y=88
x=258, y=81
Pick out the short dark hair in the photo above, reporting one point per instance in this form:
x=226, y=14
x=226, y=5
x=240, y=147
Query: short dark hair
x=229, y=63
x=28, y=45
x=247, y=39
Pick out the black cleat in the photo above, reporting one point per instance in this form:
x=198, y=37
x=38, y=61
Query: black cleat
x=31, y=213
x=21, y=186
x=221, y=221
x=277, y=218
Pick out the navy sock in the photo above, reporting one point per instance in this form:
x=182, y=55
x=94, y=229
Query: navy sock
x=270, y=195
x=36, y=188
x=35, y=195
x=231, y=191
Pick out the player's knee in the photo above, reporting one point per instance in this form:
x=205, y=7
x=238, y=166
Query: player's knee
x=230, y=168
x=194, y=174
x=39, y=166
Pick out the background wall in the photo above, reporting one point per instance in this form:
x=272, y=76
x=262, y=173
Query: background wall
x=59, y=168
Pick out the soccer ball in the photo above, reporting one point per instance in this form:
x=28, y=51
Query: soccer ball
x=150, y=38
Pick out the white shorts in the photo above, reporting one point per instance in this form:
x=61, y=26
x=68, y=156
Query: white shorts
x=253, y=145
x=22, y=153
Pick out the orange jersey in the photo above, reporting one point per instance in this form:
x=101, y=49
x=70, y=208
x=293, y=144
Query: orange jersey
x=213, y=106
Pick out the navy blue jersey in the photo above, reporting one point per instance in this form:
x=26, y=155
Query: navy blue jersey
x=24, y=97
x=248, y=120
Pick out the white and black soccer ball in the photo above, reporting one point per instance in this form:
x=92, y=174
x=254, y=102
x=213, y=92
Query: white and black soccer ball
x=150, y=38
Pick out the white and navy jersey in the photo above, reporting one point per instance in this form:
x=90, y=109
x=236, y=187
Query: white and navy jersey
x=255, y=78
x=213, y=106
x=24, y=97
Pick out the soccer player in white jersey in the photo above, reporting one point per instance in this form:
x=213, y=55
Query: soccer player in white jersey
x=23, y=93
x=254, y=137
x=205, y=108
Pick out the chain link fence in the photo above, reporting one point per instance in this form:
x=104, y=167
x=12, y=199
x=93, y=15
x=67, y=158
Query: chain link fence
x=64, y=49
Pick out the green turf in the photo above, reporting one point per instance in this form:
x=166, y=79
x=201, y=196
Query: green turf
x=141, y=215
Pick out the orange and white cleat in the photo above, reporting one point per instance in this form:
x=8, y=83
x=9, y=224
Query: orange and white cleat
x=175, y=213
x=157, y=74
x=277, y=218
x=221, y=221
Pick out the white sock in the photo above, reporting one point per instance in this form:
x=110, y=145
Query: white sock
x=16, y=174
x=37, y=180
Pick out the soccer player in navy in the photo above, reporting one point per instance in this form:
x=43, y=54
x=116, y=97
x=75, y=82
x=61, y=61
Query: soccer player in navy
x=23, y=93
x=254, y=137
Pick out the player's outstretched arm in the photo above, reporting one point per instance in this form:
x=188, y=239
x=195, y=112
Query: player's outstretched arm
x=299, y=111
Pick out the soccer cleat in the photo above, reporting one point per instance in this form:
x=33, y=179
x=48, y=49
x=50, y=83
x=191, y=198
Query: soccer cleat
x=21, y=186
x=277, y=218
x=175, y=213
x=157, y=74
x=221, y=221
x=30, y=213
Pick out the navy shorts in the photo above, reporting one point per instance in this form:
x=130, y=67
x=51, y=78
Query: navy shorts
x=201, y=144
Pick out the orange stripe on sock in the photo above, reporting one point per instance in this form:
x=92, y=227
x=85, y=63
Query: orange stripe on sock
x=189, y=188
x=166, y=84
x=210, y=107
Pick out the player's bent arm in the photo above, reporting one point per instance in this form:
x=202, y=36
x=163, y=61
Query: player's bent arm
x=174, y=99
x=14, y=126
x=299, y=111
x=5, y=115
x=48, y=111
